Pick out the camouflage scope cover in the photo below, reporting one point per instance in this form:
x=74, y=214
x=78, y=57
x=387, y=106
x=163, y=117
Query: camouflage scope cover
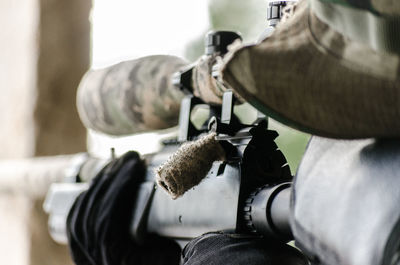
x=132, y=96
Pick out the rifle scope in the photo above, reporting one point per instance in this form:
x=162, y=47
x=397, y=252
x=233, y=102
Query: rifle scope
x=267, y=211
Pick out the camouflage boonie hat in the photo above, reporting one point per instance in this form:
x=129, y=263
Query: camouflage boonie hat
x=331, y=68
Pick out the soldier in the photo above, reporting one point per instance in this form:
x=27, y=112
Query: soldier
x=330, y=68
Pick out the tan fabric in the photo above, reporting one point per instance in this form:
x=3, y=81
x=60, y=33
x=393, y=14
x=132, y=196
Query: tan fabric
x=310, y=77
x=189, y=165
x=390, y=7
x=207, y=87
x=204, y=85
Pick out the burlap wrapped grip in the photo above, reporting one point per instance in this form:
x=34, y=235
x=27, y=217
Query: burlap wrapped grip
x=189, y=165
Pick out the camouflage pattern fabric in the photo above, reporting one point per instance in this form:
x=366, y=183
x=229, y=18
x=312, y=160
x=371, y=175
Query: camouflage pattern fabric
x=315, y=79
x=208, y=87
x=383, y=7
x=132, y=96
x=379, y=32
x=204, y=85
x=387, y=7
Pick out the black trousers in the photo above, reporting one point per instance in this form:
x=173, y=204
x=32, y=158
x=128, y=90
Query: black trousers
x=234, y=249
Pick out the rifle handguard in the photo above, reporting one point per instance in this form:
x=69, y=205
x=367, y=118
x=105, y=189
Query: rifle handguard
x=189, y=165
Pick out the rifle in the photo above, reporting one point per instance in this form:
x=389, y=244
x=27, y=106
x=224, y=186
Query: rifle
x=253, y=190
x=252, y=186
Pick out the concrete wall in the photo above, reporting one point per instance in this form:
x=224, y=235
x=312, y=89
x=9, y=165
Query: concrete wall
x=18, y=57
x=44, y=51
x=64, y=55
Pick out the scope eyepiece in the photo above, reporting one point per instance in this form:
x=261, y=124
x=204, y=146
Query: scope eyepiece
x=267, y=211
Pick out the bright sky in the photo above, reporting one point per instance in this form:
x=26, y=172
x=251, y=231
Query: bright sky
x=126, y=29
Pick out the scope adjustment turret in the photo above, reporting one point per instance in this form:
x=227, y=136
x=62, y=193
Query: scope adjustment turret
x=217, y=42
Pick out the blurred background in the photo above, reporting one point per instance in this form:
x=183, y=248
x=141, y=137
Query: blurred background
x=47, y=45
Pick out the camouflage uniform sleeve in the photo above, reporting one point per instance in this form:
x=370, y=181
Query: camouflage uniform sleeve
x=382, y=7
x=132, y=96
